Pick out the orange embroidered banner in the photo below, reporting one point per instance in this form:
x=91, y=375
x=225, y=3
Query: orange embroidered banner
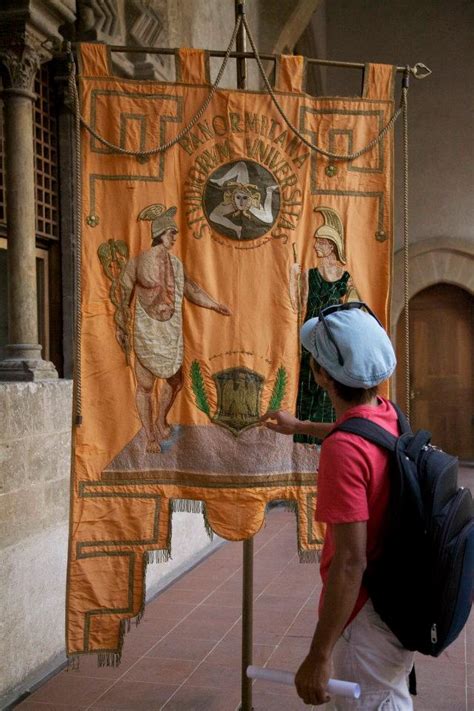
x=199, y=264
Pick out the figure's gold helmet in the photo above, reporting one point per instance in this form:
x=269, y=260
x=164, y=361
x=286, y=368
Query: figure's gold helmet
x=161, y=219
x=332, y=229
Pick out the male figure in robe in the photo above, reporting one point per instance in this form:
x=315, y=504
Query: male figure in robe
x=157, y=281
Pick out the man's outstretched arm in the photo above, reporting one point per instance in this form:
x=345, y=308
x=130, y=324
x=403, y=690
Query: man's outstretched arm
x=285, y=423
x=341, y=593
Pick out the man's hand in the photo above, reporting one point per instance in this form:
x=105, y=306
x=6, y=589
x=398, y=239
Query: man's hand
x=281, y=421
x=311, y=681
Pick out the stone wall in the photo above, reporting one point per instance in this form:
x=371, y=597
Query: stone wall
x=34, y=493
x=35, y=441
x=440, y=107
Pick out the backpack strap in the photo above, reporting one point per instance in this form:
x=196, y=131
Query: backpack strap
x=368, y=430
x=402, y=418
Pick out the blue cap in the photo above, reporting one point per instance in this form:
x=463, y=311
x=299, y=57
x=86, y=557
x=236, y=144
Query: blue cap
x=366, y=350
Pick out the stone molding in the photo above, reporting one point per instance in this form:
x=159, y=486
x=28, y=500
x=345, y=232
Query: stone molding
x=34, y=23
x=446, y=260
x=98, y=20
x=127, y=22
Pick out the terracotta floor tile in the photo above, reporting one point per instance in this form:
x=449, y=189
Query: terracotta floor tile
x=286, y=587
x=269, y=687
x=470, y=675
x=67, y=688
x=141, y=643
x=190, y=595
x=167, y=610
x=182, y=646
x=215, y=613
x=263, y=700
x=225, y=599
x=439, y=672
x=441, y=698
x=274, y=620
x=456, y=652
x=229, y=653
x=151, y=626
x=192, y=698
x=304, y=625
x=470, y=648
x=199, y=585
x=289, y=654
x=278, y=602
x=161, y=670
x=135, y=696
x=206, y=628
x=43, y=706
x=216, y=676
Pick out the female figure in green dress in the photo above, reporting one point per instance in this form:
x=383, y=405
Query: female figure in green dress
x=323, y=286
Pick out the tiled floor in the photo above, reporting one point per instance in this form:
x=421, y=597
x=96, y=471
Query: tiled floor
x=185, y=654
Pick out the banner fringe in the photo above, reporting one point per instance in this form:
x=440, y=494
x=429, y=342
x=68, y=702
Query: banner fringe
x=163, y=555
x=207, y=525
x=186, y=506
x=308, y=556
x=109, y=659
x=287, y=504
x=73, y=662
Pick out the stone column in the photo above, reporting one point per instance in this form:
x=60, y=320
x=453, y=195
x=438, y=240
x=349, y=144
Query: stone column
x=23, y=353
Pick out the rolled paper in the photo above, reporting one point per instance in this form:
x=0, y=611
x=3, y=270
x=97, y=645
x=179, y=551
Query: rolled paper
x=336, y=687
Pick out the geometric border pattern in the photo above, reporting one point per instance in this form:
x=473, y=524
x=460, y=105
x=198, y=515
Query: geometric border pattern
x=378, y=114
x=96, y=147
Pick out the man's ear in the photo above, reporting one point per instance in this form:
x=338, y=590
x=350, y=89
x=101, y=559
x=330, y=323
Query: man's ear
x=326, y=379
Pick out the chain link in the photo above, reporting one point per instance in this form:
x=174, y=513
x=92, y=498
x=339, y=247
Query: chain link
x=406, y=271
x=313, y=146
x=77, y=242
x=184, y=131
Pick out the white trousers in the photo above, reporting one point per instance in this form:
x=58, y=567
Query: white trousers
x=370, y=654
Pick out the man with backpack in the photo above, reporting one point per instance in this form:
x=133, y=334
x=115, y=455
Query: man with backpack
x=351, y=355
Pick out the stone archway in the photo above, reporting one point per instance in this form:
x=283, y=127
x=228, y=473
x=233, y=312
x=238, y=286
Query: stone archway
x=432, y=261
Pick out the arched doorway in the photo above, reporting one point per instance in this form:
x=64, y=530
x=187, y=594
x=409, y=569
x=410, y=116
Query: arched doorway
x=441, y=366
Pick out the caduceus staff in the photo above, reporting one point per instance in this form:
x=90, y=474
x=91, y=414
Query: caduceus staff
x=113, y=256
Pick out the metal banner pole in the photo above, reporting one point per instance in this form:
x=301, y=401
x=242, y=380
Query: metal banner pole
x=247, y=567
x=247, y=624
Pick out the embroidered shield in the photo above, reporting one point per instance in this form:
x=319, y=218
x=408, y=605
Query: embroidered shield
x=238, y=398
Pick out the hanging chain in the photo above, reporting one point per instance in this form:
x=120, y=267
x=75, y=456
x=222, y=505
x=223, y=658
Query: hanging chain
x=313, y=146
x=77, y=225
x=406, y=273
x=184, y=131
x=241, y=19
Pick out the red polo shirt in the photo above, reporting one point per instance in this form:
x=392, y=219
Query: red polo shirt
x=353, y=485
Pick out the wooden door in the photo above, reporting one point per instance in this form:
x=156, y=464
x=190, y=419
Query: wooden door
x=441, y=367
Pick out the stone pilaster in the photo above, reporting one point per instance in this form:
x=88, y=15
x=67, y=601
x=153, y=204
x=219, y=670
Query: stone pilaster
x=23, y=353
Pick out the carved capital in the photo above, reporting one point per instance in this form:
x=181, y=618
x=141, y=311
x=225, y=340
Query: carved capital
x=19, y=68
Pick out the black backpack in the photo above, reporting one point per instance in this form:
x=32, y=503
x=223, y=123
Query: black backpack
x=422, y=585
